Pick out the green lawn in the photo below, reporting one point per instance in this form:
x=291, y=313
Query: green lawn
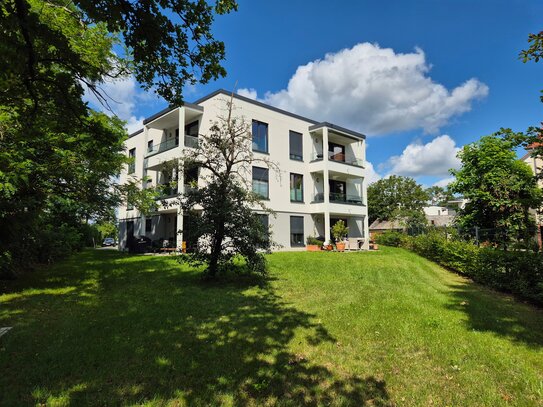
x=380, y=328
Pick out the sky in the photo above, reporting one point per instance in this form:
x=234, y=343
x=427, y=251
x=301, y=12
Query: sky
x=419, y=78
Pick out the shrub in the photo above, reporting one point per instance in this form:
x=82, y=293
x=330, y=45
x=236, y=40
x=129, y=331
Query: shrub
x=312, y=240
x=390, y=238
x=517, y=272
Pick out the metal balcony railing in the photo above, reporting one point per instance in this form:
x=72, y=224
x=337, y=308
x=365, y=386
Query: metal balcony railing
x=340, y=158
x=191, y=141
x=335, y=197
x=164, y=146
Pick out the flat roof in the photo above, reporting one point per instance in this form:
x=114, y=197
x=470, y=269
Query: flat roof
x=315, y=124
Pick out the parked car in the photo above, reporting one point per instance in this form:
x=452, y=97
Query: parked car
x=108, y=241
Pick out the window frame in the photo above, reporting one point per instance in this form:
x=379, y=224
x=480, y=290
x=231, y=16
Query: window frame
x=292, y=156
x=297, y=242
x=256, y=134
x=267, y=180
x=293, y=177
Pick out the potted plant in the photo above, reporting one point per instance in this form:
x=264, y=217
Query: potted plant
x=313, y=244
x=339, y=231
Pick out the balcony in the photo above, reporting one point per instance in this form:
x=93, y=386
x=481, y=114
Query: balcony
x=339, y=158
x=166, y=192
x=164, y=146
x=191, y=141
x=339, y=198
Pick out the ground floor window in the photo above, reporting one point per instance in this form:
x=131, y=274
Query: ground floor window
x=148, y=225
x=296, y=231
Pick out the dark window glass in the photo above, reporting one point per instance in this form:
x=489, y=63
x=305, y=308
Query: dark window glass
x=190, y=175
x=296, y=146
x=191, y=129
x=150, y=146
x=176, y=137
x=338, y=191
x=264, y=219
x=296, y=231
x=296, y=187
x=336, y=152
x=260, y=136
x=132, y=164
x=148, y=225
x=261, y=182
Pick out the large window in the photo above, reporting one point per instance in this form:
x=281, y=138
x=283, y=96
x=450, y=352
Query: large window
x=296, y=146
x=260, y=136
x=264, y=220
x=148, y=225
x=191, y=129
x=261, y=182
x=296, y=187
x=336, y=152
x=338, y=191
x=296, y=231
x=132, y=164
x=190, y=175
x=150, y=146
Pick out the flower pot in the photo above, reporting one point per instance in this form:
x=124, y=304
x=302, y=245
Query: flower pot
x=328, y=247
x=313, y=248
x=340, y=247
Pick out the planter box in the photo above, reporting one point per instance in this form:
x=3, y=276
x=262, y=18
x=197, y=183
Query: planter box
x=313, y=248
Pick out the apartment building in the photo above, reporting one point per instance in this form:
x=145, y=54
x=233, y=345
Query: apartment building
x=321, y=176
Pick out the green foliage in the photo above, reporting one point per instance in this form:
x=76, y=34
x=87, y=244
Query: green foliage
x=439, y=196
x=395, y=196
x=312, y=240
x=390, y=238
x=518, y=272
x=339, y=230
x=500, y=188
x=228, y=228
x=534, y=51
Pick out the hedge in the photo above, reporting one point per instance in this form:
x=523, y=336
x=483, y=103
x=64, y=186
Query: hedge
x=516, y=272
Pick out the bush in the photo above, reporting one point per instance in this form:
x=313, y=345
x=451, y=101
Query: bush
x=517, y=272
x=390, y=238
x=311, y=240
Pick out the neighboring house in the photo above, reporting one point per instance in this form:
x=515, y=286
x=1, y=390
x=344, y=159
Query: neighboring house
x=321, y=180
x=438, y=216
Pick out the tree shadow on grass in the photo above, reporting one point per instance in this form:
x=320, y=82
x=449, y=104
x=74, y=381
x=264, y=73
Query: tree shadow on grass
x=147, y=332
x=491, y=311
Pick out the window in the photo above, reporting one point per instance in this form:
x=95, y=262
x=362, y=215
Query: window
x=148, y=225
x=191, y=129
x=264, y=219
x=176, y=137
x=132, y=164
x=296, y=187
x=338, y=190
x=296, y=231
x=260, y=136
x=150, y=146
x=190, y=176
x=336, y=152
x=296, y=146
x=261, y=182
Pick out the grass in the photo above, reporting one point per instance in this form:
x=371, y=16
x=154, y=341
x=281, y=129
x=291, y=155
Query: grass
x=386, y=328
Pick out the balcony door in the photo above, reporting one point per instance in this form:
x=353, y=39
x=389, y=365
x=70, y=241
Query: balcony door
x=336, y=152
x=338, y=190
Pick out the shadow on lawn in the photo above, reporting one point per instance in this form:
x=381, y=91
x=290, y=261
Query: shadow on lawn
x=142, y=335
x=491, y=311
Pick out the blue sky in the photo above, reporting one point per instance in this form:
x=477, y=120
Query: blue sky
x=420, y=78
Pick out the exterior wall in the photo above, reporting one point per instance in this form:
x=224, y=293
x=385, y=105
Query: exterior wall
x=315, y=173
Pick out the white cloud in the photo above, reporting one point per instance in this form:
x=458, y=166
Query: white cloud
x=123, y=96
x=248, y=92
x=371, y=175
x=374, y=90
x=434, y=158
x=444, y=182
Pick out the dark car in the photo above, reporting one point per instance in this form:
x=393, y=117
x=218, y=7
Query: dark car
x=108, y=241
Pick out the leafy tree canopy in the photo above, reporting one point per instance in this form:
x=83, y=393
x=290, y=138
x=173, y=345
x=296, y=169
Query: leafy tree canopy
x=394, y=197
x=439, y=196
x=500, y=188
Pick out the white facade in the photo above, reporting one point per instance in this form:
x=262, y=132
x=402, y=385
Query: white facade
x=332, y=167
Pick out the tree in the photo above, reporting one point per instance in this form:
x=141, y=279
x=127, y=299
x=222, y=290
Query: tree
x=534, y=51
x=438, y=195
x=54, y=150
x=500, y=189
x=228, y=226
x=395, y=197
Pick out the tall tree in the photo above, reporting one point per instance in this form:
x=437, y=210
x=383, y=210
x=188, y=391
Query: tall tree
x=500, y=189
x=227, y=226
x=53, y=148
x=395, y=197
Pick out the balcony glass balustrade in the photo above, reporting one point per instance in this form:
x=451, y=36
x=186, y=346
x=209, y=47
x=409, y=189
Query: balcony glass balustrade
x=338, y=198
